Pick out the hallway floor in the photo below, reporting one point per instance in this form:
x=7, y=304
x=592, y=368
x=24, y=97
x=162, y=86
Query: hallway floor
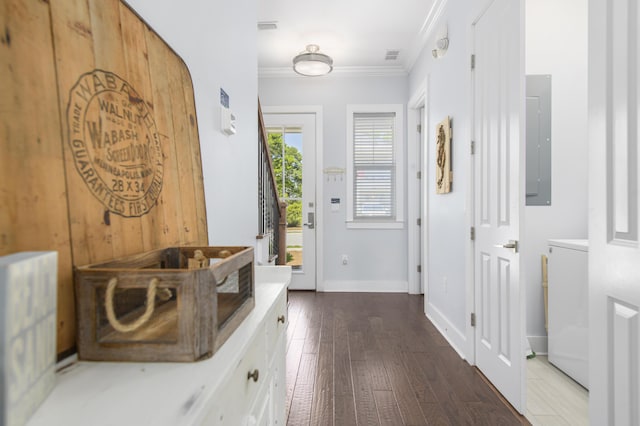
x=553, y=398
x=374, y=359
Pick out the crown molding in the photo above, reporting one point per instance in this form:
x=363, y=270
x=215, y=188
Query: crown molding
x=372, y=71
x=426, y=31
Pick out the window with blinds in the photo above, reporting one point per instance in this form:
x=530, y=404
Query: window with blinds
x=374, y=166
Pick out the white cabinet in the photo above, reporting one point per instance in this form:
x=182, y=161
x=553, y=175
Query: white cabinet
x=217, y=391
x=569, y=308
x=254, y=393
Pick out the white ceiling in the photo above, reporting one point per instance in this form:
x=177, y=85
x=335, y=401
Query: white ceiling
x=355, y=33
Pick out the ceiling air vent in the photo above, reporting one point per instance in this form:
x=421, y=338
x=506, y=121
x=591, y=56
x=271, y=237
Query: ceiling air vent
x=391, y=55
x=267, y=25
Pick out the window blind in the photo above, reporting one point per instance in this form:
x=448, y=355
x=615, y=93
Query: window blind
x=374, y=166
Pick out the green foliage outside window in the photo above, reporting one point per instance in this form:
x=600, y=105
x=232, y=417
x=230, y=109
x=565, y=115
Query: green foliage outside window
x=291, y=176
x=294, y=214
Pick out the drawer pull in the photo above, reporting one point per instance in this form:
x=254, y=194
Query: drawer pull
x=253, y=375
x=281, y=319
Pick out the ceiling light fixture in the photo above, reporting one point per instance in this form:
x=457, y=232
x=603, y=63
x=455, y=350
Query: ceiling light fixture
x=312, y=63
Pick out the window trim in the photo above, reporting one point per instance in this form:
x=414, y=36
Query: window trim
x=398, y=145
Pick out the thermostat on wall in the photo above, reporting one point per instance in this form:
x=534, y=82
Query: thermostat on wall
x=227, y=121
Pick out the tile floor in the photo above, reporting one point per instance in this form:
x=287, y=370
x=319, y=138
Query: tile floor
x=553, y=398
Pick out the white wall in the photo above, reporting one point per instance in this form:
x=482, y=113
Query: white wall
x=556, y=44
x=449, y=94
x=218, y=42
x=377, y=258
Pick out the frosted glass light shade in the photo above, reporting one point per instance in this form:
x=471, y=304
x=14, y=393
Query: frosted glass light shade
x=312, y=63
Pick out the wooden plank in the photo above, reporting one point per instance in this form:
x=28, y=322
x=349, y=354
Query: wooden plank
x=313, y=319
x=431, y=409
x=419, y=382
x=300, y=330
x=327, y=326
x=143, y=78
x=356, y=346
x=312, y=340
x=179, y=217
x=366, y=411
x=435, y=415
x=345, y=411
x=323, y=404
x=294, y=355
x=413, y=340
x=453, y=408
x=390, y=342
x=300, y=413
x=187, y=184
x=492, y=415
x=376, y=324
x=293, y=311
x=407, y=402
x=197, y=233
x=377, y=373
x=79, y=49
x=387, y=408
x=459, y=375
x=33, y=215
x=73, y=36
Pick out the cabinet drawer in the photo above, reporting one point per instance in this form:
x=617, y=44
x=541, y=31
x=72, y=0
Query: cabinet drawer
x=236, y=397
x=276, y=322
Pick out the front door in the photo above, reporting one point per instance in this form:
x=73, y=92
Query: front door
x=614, y=243
x=291, y=140
x=498, y=79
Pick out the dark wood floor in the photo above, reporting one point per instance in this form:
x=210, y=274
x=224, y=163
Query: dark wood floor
x=374, y=359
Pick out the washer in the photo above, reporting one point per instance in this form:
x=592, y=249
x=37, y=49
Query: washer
x=569, y=308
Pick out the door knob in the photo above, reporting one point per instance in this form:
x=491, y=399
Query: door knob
x=512, y=244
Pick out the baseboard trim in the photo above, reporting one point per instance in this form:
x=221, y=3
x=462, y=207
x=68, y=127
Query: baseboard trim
x=539, y=344
x=366, y=286
x=452, y=335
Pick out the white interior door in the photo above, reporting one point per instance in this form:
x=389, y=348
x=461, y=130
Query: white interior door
x=292, y=144
x=498, y=184
x=614, y=253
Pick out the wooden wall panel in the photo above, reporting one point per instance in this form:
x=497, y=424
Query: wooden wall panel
x=197, y=223
x=33, y=204
x=163, y=103
x=99, y=143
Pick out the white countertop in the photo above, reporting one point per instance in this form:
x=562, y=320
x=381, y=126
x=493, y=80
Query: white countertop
x=121, y=394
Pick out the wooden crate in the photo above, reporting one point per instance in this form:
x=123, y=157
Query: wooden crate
x=173, y=304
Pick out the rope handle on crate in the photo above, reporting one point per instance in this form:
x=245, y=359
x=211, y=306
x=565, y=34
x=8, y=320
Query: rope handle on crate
x=150, y=306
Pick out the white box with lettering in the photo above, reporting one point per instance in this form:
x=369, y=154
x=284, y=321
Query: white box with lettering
x=27, y=333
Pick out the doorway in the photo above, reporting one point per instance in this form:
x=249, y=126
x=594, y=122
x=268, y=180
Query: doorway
x=497, y=130
x=417, y=202
x=563, y=214
x=292, y=142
